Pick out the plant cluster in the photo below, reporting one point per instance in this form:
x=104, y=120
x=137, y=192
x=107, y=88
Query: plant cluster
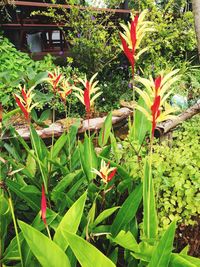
x=70, y=206
x=17, y=67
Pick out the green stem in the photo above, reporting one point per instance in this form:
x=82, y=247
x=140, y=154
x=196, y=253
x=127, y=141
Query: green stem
x=48, y=232
x=41, y=170
x=15, y=226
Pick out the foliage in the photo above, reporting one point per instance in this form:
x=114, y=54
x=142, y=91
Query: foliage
x=177, y=181
x=175, y=172
x=172, y=43
x=16, y=67
x=93, y=38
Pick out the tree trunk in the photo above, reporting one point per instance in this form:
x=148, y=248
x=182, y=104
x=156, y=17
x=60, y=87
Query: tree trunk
x=196, y=12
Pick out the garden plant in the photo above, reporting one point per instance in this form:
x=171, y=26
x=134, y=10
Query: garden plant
x=65, y=203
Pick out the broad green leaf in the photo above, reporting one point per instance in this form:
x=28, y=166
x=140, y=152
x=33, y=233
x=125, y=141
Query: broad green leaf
x=48, y=253
x=126, y=240
x=191, y=259
x=70, y=222
x=177, y=260
x=150, y=215
x=141, y=124
x=86, y=253
x=64, y=183
x=127, y=211
x=104, y=215
x=162, y=254
x=145, y=252
x=115, y=148
x=45, y=115
x=105, y=131
x=88, y=157
x=31, y=164
x=27, y=193
x=185, y=250
x=59, y=145
x=114, y=256
x=91, y=213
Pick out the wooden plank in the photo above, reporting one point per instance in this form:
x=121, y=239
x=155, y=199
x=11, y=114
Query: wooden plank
x=30, y=25
x=46, y=5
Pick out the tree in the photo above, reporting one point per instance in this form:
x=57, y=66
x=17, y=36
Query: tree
x=196, y=12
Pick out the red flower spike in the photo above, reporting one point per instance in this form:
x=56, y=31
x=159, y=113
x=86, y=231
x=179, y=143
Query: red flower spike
x=129, y=54
x=50, y=76
x=57, y=80
x=23, y=109
x=157, y=83
x=87, y=100
x=24, y=94
x=155, y=112
x=43, y=205
x=111, y=175
x=133, y=32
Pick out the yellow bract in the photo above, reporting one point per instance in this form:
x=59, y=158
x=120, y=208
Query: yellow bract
x=93, y=90
x=141, y=29
x=29, y=99
x=104, y=171
x=164, y=91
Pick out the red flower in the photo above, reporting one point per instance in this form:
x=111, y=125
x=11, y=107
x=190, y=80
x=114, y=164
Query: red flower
x=54, y=78
x=155, y=111
x=43, y=205
x=157, y=84
x=87, y=97
x=24, y=101
x=22, y=107
x=105, y=172
x=130, y=51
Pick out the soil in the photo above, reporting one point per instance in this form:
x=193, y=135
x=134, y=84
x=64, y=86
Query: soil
x=189, y=235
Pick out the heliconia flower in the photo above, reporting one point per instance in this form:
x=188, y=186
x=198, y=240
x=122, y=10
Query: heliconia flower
x=43, y=205
x=24, y=101
x=105, y=172
x=89, y=94
x=66, y=89
x=132, y=36
x=86, y=97
x=54, y=78
x=155, y=97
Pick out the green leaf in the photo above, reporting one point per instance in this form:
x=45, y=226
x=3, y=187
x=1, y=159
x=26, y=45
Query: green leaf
x=185, y=250
x=150, y=215
x=48, y=253
x=87, y=254
x=91, y=213
x=59, y=145
x=64, y=183
x=31, y=164
x=105, y=131
x=127, y=211
x=27, y=193
x=141, y=124
x=162, y=254
x=126, y=240
x=191, y=259
x=178, y=261
x=103, y=215
x=70, y=222
x=45, y=115
x=88, y=157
